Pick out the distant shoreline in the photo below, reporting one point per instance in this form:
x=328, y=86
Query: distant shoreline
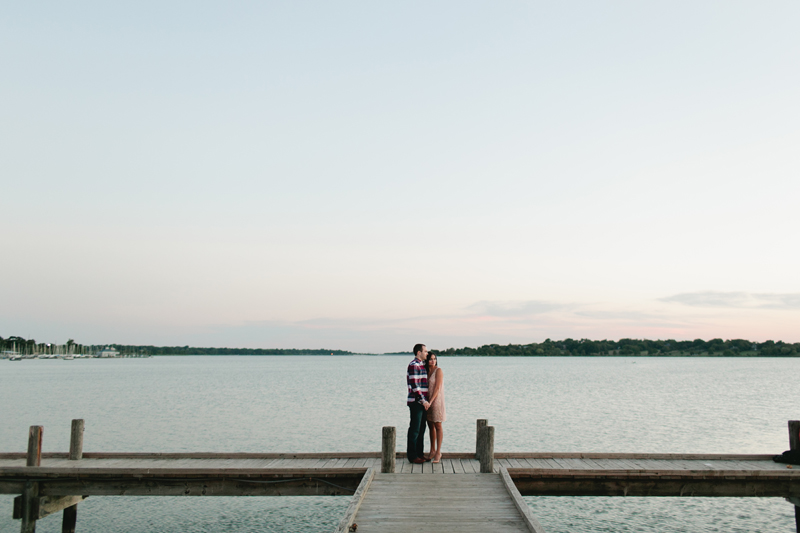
x=548, y=348
x=443, y=354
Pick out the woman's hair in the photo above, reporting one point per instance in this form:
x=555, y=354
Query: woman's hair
x=428, y=362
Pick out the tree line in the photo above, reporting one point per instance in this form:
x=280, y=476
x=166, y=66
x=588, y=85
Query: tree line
x=31, y=347
x=635, y=347
x=566, y=347
x=191, y=350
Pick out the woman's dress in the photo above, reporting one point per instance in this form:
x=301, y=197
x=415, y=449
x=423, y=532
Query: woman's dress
x=436, y=412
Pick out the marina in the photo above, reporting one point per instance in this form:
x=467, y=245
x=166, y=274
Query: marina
x=19, y=349
x=381, y=483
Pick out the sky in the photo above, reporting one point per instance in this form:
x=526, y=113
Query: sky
x=369, y=175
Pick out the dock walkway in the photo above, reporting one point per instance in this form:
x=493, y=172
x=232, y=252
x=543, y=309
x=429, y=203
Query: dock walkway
x=439, y=504
x=460, y=492
x=563, y=474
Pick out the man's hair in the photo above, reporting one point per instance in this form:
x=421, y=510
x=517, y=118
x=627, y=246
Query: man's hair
x=418, y=348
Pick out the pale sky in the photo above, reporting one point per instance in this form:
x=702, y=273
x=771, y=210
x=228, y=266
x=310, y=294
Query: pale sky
x=369, y=175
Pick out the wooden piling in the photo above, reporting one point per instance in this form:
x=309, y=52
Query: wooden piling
x=34, y=457
x=69, y=519
x=480, y=445
x=76, y=440
x=30, y=494
x=481, y=423
x=388, y=443
x=30, y=511
x=794, y=434
x=487, y=449
x=794, y=445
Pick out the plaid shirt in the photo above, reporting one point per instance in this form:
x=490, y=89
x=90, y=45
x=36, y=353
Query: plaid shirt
x=417, y=379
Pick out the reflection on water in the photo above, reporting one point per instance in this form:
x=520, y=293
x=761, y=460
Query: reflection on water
x=340, y=403
x=134, y=514
x=659, y=515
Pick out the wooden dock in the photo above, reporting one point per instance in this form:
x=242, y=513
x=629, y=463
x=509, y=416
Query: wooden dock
x=397, y=503
x=480, y=490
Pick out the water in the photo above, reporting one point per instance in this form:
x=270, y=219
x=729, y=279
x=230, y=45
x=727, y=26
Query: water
x=317, y=404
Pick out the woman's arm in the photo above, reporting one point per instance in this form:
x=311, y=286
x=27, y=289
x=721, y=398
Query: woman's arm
x=438, y=387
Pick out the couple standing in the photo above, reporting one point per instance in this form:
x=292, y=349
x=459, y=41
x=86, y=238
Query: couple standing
x=426, y=405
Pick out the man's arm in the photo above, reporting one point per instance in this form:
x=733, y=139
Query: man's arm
x=415, y=373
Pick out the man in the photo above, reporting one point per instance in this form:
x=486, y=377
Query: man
x=417, y=379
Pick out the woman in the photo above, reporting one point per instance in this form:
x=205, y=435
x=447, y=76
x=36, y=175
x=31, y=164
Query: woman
x=436, y=412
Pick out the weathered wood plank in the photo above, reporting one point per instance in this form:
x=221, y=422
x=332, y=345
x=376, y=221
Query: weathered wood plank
x=29, y=511
x=480, y=424
x=486, y=448
x=45, y=505
x=464, y=503
x=355, y=502
x=644, y=483
x=70, y=519
x=471, y=466
x=451, y=455
x=76, y=440
x=794, y=434
x=315, y=485
x=534, y=526
x=34, y=455
x=575, y=474
x=388, y=446
x=29, y=501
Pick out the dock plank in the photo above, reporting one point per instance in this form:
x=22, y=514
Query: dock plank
x=534, y=473
x=463, y=503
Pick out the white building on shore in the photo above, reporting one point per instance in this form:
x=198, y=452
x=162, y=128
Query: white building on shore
x=108, y=351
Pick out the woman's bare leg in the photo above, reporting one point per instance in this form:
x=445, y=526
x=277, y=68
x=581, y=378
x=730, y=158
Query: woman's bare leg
x=439, y=438
x=432, y=432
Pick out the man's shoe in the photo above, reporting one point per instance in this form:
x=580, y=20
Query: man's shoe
x=427, y=459
x=418, y=461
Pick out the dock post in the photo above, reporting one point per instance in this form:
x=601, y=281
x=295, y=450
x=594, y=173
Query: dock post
x=76, y=440
x=482, y=423
x=30, y=494
x=388, y=450
x=794, y=445
x=487, y=450
x=70, y=518
x=34, y=457
x=794, y=434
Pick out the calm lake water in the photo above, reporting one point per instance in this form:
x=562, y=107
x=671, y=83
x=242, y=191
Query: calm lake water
x=317, y=404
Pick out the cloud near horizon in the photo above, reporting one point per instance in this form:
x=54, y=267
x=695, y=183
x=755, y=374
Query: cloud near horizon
x=514, y=308
x=737, y=300
x=482, y=322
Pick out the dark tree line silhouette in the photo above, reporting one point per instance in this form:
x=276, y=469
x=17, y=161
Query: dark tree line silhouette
x=671, y=347
x=566, y=347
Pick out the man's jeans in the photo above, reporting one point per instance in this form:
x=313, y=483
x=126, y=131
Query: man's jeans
x=416, y=431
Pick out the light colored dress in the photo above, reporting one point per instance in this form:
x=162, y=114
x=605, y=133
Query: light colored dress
x=436, y=412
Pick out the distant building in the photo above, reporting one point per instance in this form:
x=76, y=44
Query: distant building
x=108, y=351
